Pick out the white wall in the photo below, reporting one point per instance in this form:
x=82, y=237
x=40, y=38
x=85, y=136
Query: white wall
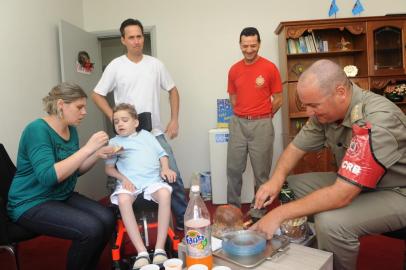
x=198, y=42
x=29, y=51
x=30, y=60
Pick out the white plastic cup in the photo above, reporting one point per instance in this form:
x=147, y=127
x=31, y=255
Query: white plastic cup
x=221, y=268
x=150, y=267
x=173, y=264
x=198, y=267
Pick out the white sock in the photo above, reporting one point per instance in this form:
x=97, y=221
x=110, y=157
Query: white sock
x=159, y=250
x=142, y=253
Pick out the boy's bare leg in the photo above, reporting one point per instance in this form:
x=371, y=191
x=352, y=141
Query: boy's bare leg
x=125, y=203
x=163, y=197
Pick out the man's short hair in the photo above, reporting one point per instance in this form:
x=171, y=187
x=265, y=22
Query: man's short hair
x=250, y=31
x=129, y=22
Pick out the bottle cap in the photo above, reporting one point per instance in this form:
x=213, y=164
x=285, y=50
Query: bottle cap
x=195, y=188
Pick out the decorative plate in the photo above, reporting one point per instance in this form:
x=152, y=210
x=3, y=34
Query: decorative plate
x=297, y=69
x=351, y=70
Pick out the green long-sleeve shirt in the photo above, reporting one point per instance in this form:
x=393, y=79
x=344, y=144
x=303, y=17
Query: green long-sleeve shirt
x=35, y=180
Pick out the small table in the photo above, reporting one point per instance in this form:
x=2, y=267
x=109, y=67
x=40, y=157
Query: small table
x=295, y=257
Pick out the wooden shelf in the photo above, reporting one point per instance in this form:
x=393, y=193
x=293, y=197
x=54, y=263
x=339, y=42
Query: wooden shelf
x=324, y=54
x=352, y=78
x=362, y=52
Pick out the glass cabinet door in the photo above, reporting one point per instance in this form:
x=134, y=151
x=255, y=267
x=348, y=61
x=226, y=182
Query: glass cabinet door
x=386, y=48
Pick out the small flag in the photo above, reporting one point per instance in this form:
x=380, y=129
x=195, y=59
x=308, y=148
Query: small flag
x=333, y=8
x=358, y=8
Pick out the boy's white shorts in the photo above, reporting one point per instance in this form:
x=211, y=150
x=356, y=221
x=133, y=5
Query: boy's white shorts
x=148, y=191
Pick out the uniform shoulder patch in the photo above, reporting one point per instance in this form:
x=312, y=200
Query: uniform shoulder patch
x=309, y=123
x=356, y=113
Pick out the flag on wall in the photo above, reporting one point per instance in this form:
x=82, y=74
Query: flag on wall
x=333, y=8
x=358, y=8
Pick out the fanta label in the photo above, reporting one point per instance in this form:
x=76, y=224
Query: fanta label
x=195, y=239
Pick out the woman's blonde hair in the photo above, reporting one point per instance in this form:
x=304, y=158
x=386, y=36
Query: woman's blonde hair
x=68, y=92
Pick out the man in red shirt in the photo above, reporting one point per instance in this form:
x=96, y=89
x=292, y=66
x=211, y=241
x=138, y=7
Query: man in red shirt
x=255, y=89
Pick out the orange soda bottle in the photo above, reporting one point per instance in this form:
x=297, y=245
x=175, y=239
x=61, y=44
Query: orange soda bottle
x=197, y=231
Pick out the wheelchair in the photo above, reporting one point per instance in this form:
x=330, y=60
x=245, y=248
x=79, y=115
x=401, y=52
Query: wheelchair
x=147, y=219
x=146, y=214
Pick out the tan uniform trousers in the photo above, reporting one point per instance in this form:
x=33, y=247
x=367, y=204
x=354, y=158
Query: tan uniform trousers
x=339, y=230
x=253, y=137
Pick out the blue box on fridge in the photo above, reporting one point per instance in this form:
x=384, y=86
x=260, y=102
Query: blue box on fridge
x=224, y=113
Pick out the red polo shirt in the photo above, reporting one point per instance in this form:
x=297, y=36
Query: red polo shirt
x=253, y=85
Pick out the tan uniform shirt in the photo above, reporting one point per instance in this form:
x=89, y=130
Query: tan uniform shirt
x=388, y=134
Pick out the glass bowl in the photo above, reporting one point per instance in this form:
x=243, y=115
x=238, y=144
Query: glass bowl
x=297, y=229
x=243, y=243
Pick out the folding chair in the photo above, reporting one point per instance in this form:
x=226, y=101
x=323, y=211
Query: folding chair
x=10, y=233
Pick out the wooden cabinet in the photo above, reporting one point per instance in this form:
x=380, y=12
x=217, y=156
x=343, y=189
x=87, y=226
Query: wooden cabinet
x=386, y=46
x=375, y=45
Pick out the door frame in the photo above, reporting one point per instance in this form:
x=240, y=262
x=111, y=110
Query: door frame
x=151, y=30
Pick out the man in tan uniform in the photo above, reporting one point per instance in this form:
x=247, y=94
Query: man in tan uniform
x=367, y=134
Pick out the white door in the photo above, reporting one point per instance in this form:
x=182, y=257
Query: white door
x=72, y=40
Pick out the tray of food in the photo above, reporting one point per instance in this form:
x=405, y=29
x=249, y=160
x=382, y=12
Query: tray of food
x=249, y=248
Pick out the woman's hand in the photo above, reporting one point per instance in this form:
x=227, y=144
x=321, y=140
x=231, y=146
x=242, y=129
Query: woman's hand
x=82, y=160
x=91, y=149
x=108, y=151
x=128, y=185
x=168, y=175
x=98, y=140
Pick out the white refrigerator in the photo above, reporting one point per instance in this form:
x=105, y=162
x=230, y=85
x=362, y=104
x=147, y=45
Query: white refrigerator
x=218, y=140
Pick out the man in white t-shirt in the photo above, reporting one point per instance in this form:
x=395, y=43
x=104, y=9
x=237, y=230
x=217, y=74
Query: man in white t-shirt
x=137, y=79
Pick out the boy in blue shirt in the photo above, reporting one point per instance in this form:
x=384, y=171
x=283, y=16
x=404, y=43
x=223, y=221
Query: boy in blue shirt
x=140, y=168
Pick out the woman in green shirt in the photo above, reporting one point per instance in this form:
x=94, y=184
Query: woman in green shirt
x=49, y=161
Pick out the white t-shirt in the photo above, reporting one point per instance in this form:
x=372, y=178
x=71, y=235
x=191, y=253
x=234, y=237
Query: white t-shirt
x=138, y=84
